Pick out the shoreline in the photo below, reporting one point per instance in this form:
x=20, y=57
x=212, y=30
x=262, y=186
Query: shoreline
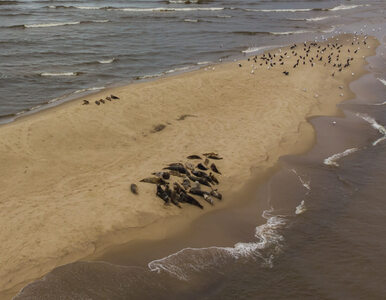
x=262, y=158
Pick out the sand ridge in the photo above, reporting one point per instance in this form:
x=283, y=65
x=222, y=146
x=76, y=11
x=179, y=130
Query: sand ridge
x=66, y=172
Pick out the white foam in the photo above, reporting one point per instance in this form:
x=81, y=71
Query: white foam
x=204, y=62
x=100, y=21
x=151, y=76
x=59, y=74
x=382, y=80
x=290, y=32
x=375, y=125
x=257, y=49
x=379, y=140
x=177, y=70
x=344, y=7
x=167, y=9
x=187, y=260
x=281, y=10
x=332, y=160
x=106, y=61
x=318, y=19
x=51, y=24
x=97, y=88
x=88, y=7
x=191, y=20
x=382, y=103
x=301, y=208
x=305, y=183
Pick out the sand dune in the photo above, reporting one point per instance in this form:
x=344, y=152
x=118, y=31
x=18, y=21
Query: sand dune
x=66, y=172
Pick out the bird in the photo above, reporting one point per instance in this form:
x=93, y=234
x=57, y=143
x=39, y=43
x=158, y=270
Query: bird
x=85, y=102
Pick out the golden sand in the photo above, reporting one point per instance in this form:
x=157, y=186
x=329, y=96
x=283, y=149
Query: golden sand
x=66, y=172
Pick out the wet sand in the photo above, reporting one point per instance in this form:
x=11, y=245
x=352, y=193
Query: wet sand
x=66, y=172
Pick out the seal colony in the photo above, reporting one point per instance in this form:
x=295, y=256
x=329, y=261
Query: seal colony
x=187, y=180
x=70, y=175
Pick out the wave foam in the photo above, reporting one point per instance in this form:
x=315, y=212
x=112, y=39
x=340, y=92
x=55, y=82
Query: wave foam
x=190, y=260
x=281, y=10
x=291, y=32
x=191, y=20
x=301, y=208
x=344, y=7
x=257, y=49
x=97, y=88
x=332, y=160
x=317, y=19
x=382, y=103
x=375, y=125
x=166, y=9
x=382, y=80
x=305, y=183
x=50, y=24
x=106, y=61
x=59, y=74
x=177, y=70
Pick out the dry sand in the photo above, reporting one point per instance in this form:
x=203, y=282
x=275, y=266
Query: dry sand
x=66, y=172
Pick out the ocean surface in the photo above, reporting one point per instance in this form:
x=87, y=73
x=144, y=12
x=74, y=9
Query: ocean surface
x=315, y=229
x=52, y=51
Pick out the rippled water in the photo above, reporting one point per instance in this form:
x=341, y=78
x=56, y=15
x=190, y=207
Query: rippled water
x=50, y=50
x=315, y=230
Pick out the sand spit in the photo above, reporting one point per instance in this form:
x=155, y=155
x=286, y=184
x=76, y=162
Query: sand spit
x=66, y=172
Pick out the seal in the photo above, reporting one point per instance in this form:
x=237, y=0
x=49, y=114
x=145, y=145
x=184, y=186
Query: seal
x=154, y=180
x=162, y=194
x=216, y=194
x=134, y=189
x=201, y=180
x=179, y=168
x=189, y=166
x=214, y=168
x=114, y=97
x=212, y=155
x=186, y=183
x=163, y=175
x=177, y=174
x=189, y=199
x=193, y=157
x=202, y=167
x=214, y=179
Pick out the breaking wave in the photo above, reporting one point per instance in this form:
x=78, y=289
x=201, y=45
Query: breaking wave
x=332, y=160
x=376, y=126
x=60, y=74
x=339, y=7
x=344, y=7
x=188, y=261
x=301, y=208
x=134, y=9
x=106, y=61
x=56, y=24
x=382, y=80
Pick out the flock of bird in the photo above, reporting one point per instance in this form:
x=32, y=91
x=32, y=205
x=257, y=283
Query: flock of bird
x=180, y=183
x=331, y=54
x=101, y=101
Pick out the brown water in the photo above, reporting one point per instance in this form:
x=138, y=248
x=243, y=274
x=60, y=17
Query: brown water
x=313, y=230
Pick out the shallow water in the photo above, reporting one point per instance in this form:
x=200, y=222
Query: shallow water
x=314, y=230
x=51, y=50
